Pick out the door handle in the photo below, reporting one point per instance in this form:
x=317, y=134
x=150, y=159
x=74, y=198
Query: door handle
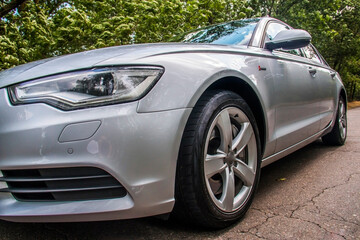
x=333, y=74
x=312, y=71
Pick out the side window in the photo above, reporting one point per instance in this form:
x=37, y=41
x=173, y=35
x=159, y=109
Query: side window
x=311, y=53
x=273, y=29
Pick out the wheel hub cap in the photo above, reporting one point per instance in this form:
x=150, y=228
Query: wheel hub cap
x=230, y=158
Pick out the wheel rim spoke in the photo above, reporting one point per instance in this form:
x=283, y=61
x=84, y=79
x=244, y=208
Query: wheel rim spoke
x=214, y=164
x=341, y=110
x=242, y=139
x=245, y=173
x=228, y=196
x=224, y=125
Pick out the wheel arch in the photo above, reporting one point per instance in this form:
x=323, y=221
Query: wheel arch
x=341, y=93
x=344, y=95
x=249, y=94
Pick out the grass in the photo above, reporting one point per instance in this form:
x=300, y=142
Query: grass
x=353, y=104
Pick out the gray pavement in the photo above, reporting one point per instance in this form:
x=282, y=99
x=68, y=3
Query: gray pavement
x=313, y=193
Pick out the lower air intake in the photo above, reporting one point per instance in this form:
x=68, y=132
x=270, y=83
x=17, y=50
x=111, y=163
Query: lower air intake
x=61, y=184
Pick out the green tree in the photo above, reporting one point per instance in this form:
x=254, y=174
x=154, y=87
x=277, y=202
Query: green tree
x=31, y=30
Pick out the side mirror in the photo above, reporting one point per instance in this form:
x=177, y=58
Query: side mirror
x=289, y=39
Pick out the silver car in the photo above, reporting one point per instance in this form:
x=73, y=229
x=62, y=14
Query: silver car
x=152, y=129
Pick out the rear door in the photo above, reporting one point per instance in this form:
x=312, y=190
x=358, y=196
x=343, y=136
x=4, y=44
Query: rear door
x=325, y=79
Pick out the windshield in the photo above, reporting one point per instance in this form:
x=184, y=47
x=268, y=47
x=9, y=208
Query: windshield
x=231, y=33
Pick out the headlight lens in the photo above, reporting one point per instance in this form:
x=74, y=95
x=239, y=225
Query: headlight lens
x=88, y=88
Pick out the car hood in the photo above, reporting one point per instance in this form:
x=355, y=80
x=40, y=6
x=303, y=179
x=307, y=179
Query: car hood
x=118, y=55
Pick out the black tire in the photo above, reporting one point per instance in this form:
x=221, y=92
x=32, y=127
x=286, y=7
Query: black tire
x=337, y=136
x=205, y=199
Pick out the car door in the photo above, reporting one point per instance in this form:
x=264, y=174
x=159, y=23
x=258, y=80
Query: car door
x=325, y=79
x=296, y=94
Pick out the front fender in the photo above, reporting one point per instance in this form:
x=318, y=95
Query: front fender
x=186, y=79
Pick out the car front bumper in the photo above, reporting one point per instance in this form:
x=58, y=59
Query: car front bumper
x=138, y=149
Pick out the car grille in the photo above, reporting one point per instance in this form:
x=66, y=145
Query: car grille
x=61, y=184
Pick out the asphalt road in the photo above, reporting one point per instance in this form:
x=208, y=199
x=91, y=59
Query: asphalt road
x=313, y=193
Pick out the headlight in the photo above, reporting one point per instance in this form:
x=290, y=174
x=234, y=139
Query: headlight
x=95, y=87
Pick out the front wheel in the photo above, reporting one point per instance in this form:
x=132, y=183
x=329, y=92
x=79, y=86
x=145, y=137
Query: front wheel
x=337, y=136
x=219, y=161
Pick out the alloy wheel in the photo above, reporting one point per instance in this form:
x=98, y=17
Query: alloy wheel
x=342, y=119
x=230, y=159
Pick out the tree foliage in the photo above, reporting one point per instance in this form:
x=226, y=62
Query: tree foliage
x=36, y=29
x=43, y=28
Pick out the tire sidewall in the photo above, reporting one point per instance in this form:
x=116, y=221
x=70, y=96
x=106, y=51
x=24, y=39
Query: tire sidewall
x=333, y=138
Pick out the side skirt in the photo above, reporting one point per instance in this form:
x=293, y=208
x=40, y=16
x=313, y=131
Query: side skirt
x=293, y=148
